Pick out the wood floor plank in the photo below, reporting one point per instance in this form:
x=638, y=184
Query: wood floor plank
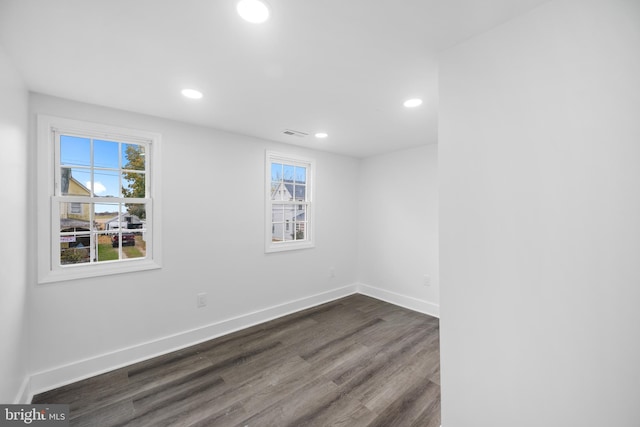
x=262, y=391
x=338, y=412
x=166, y=370
x=430, y=415
x=292, y=410
x=110, y=415
x=181, y=390
x=353, y=362
x=88, y=395
x=345, y=338
x=409, y=406
x=172, y=409
x=381, y=358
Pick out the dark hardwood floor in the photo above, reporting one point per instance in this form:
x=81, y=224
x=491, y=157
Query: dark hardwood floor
x=352, y=362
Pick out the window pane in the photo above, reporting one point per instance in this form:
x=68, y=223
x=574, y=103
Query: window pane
x=289, y=233
x=300, y=193
x=134, y=242
x=125, y=220
x=277, y=223
x=135, y=247
x=105, y=214
x=133, y=184
x=300, y=175
x=105, y=250
x=277, y=232
x=75, y=151
x=277, y=213
x=282, y=192
x=74, y=255
x=289, y=219
x=75, y=228
x=276, y=172
x=106, y=183
x=75, y=181
x=109, y=220
x=300, y=231
x=288, y=173
x=105, y=154
x=301, y=213
x=275, y=190
x=288, y=213
x=74, y=217
x=287, y=191
x=133, y=157
x=134, y=215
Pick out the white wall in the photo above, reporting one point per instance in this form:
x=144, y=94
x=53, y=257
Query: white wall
x=398, y=227
x=540, y=220
x=212, y=242
x=13, y=244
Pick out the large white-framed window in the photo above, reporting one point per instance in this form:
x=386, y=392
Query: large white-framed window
x=289, y=207
x=98, y=199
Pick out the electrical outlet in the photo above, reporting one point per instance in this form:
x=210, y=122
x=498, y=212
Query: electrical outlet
x=202, y=300
x=426, y=281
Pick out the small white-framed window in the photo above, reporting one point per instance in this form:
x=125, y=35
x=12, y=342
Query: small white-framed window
x=76, y=208
x=98, y=199
x=289, y=207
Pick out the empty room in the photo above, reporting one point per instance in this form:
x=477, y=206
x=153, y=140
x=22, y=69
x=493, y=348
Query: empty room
x=334, y=213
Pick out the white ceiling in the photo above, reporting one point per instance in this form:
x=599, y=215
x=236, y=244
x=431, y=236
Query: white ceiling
x=339, y=66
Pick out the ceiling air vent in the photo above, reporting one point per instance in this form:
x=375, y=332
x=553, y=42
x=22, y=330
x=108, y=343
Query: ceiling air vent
x=295, y=133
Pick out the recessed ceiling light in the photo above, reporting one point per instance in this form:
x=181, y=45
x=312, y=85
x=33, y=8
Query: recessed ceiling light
x=192, y=93
x=411, y=103
x=321, y=135
x=254, y=11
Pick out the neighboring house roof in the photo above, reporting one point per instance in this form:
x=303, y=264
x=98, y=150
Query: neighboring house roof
x=67, y=178
x=84, y=189
x=300, y=190
x=74, y=223
x=123, y=218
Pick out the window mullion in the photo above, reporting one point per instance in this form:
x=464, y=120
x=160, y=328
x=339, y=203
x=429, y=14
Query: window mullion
x=92, y=235
x=147, y=154
x=101, y=200
x=57, y=189
x=55, y=241
x=92, y=176
x=121, y=167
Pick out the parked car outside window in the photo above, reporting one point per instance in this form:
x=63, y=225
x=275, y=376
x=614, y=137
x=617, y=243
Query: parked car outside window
x=128, y=239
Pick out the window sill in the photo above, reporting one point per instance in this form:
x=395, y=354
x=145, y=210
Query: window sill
x=73, y=272
x=284, y=247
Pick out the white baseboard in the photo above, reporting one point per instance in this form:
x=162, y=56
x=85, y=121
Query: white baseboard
x=82, y=369
x=411, y=303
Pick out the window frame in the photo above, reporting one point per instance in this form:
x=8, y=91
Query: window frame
x=48, y=217
x=294, y=160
